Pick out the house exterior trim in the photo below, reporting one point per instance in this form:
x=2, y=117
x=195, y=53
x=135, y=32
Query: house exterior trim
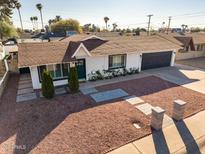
x=85, y=49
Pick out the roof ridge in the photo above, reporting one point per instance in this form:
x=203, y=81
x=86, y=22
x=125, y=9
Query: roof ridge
x=168, y=39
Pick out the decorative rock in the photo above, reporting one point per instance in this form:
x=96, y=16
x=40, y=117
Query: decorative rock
x=178, y=109
x=157, y=118
x=136, y=125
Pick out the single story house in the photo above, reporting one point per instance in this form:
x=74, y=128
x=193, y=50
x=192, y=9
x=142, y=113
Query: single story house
x=199, y=40
x=186, y=42
x=92, y=53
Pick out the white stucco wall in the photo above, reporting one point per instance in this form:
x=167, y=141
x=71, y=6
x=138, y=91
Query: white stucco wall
x=101, y=62
x=36, y=82
x=94, y=64
x=133, y=60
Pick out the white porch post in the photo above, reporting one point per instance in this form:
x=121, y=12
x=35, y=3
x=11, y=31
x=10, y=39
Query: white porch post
x=173, y=58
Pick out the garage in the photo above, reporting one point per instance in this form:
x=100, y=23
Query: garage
x=156, y=60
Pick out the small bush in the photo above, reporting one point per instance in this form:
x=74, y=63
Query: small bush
x=109, y=74
x=47, y=85
x=73, y=80
x=99, y=75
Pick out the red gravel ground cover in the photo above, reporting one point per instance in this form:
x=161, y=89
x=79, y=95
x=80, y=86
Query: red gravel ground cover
x=66, y=124
x=161, y=93
x=76, y=124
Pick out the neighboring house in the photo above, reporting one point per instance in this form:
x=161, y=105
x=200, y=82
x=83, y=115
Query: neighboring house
x=186, y=42
x=93, y=53
x=192, y=44
x=11, y=54
x=199, y=40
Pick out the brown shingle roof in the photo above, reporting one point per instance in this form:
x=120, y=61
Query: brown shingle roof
x=128, y=44
x=198, y=38
x=171, y=38
x=62, y=51
x=77, y=37
x=31, y=54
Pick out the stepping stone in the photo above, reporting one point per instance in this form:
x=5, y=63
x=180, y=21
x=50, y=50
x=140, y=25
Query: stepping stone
x=25, y=81
x=26, y=85
x=145, y=108
x=108, y=95
x=23, y=78
x=60, y=91
x=26, y=97
x=25, y=91
x=133, y=100
x=87, y=91
x=167, y=121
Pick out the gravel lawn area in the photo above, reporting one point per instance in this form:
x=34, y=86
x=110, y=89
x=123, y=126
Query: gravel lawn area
x=161, y=93
x=194, y=62
x=71, y=123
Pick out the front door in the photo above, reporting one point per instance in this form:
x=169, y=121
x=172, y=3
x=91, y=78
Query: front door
x=81, y=69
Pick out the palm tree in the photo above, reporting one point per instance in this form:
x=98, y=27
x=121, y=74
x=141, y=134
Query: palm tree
x=106, y=19
x=39, y=6
x=114, y=26
x=31, y=18
x=58, y=18
x=184, y=27
x=18, y=6
x=35, y=18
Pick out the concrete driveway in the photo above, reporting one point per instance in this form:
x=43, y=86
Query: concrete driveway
x=183, y=75
x=194, y=62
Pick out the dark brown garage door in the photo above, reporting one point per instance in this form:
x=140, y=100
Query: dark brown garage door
x=156, y=59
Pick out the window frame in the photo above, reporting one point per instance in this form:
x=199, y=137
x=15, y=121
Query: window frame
x=54, y=78
x=124, y=63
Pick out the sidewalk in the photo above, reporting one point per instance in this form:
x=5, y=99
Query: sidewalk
x=186, y=136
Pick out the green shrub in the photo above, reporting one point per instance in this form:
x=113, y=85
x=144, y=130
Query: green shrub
x=47, y=85
x=73, y=80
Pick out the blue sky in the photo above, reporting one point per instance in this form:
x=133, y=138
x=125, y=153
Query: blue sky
x=126, y=13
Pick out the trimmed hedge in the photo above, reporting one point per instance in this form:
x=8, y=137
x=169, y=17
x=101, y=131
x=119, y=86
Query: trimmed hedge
x=47, y=85
x=73, y=80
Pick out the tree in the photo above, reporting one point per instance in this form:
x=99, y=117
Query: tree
x=39, y=6
x=58, y=18
x=32, y=21
x=7, y=30
x=195, y=29
x=47, y=85
x=87, y=27
x=18, y=6
x=35, y=19
x=73, y=82
x=106, y=19
x=66, y=25
x=6, y=7
x=52, y=21
x=184, y=27
x=114, y=26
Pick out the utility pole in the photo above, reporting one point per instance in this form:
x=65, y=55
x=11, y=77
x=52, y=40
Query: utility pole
x=148, y=29
x=170, y=18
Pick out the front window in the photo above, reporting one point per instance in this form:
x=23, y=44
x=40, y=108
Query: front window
x=57, y=71
x=117, y=61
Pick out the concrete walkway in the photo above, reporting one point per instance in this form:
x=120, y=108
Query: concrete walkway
x=186, y=136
